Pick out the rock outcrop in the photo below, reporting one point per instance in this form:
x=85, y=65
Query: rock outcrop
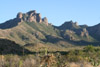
x=84, y=32
x=68, y=34
x=19, y=15
x=31, y=13
x=76, y=23
x=31, y=16
x=32, y=19
x=38, y=18
x=69, y=25
x=45, y=20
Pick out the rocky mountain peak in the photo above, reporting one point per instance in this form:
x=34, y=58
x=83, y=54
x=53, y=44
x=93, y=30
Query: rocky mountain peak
x=69, y=25
x=32, y=16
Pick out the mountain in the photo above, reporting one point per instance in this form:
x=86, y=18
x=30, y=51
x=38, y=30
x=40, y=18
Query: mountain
x=31, y=28
x=30, y=16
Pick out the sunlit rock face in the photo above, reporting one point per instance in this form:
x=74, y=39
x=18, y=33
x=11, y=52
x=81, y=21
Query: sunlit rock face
x=84, y=32
x=31, y=16
x=19, y=15
x=45, y=20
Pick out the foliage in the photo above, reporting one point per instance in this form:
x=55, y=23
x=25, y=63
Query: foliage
x=88, y=54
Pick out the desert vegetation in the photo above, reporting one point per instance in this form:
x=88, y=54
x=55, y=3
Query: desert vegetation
x=89, y=56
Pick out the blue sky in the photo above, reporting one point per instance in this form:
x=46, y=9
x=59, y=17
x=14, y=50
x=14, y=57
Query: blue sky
x=57, y=11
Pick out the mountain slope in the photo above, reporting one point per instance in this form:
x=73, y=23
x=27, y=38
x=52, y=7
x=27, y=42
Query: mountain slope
x=10, y=47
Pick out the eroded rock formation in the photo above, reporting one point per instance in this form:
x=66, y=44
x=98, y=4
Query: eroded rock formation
x=45, y=20
x=84, y=32
x=31, y=16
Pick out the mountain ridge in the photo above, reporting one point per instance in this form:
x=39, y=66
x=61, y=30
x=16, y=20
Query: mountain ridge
x=31, y=28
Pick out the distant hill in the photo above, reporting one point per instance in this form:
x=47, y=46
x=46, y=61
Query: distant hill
x=30, y=27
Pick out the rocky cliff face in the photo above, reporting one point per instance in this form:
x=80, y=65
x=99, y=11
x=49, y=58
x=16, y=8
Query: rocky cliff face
x=31, y=16
x=68, y=34
x=84, y=32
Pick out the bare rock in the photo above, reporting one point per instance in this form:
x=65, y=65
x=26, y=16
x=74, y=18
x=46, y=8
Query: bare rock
x=19, y=15
x=31, y=16
x=32, y=19
x=68, y=34
x=38, y=18
x=45, y=20
x=31, y=13
x=76, y=23
x=84, y=33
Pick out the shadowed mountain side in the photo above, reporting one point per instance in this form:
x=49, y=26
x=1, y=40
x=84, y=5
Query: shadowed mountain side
x=10, y=24
x=51, y=39
x=10, y=47
x=84, y=43
x=95, y=31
